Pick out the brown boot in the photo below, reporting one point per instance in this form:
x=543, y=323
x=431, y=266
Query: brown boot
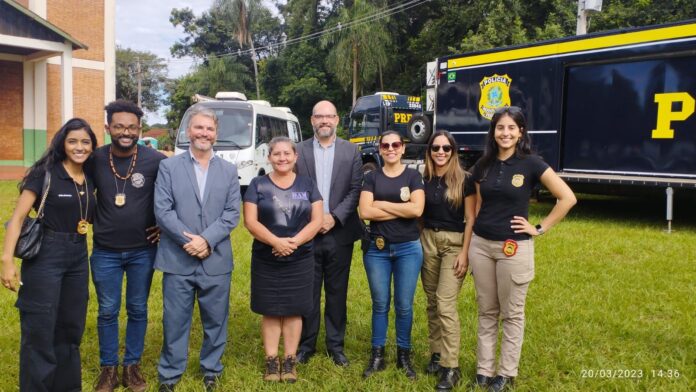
x=289, y=372
x=272, y=372
x=108, y=379
x=133, y=379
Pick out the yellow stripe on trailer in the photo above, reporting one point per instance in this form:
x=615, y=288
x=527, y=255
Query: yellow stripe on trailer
x=580, y=45
x=365, y=139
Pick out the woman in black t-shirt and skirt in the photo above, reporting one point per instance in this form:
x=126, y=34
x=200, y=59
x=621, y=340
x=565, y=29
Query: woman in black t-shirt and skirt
x=53, y=292
x=445, y=238
x=283, y=211
x=392, y=199
x=502, y=247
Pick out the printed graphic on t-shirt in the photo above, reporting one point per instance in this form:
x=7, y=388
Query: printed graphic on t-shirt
x=137, y=180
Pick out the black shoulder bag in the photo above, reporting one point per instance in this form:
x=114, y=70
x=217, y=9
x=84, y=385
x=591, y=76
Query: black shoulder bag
x=29, y=242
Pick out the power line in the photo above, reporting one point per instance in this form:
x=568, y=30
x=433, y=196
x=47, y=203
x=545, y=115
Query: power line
x=381, y=14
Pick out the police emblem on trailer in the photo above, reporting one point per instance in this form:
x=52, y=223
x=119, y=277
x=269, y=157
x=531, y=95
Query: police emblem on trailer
x=495, y=93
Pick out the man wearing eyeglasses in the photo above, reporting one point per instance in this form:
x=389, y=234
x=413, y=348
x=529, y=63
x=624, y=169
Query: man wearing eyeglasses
x=125, y=243
x=336, y=167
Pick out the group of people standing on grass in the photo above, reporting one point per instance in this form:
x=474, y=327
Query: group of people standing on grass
x=176, y=215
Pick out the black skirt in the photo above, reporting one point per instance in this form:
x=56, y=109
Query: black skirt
x=281, y=287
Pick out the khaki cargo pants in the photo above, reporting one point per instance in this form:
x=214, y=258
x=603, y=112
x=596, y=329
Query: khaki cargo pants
x=501, y=288
x=440, y=250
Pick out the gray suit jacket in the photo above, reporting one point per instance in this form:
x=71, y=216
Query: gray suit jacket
x=178, y=208
x=346, y=182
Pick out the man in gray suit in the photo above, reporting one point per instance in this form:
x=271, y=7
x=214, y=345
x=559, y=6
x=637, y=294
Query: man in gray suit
x=197, y=205
x=336, y=167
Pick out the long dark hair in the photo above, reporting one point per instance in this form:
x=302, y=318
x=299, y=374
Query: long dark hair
x=55, y=153
x=490, y=153
x=454, y=174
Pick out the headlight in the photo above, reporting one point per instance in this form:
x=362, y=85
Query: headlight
x=243, y=164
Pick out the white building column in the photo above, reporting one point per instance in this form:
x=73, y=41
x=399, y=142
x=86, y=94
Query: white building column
x=66, y=83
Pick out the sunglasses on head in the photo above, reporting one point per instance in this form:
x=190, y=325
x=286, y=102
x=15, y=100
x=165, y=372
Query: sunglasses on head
x=508, y=109
x=393, y=145
x=437, y=147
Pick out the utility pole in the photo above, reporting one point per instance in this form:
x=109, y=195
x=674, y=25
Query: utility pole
x=582, y=19
x=140, y=81
x=585, y=7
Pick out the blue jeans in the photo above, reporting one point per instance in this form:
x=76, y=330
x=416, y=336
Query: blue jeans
x=402, y=260
x=108, y=268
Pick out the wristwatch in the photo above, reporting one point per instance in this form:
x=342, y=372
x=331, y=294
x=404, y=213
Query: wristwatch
x=539, y=229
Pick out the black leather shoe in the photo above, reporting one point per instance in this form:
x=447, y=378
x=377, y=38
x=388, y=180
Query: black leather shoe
x=210, y=383
x=501, y=383
x=434, y=364
x=403, y=361
x=377, y=362
x=304, y=356
x=483, y=381
x=449, y=378
x=339, y=358
x=166, y=388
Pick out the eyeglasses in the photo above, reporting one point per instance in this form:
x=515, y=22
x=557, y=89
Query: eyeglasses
x=393, y=145
x=324, y=116
x=437, y=147
x=120, y=127
x=508, y=109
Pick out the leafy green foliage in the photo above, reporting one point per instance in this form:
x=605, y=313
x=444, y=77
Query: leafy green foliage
x=153, y=71
x=391, y=52
x=219, y=74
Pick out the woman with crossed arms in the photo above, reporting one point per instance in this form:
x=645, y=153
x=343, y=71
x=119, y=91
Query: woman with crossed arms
x=392, y=199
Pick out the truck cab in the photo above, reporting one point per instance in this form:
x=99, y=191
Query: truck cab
x=374, y=114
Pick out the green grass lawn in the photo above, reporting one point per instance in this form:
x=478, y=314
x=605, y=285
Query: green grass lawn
x=611, y=309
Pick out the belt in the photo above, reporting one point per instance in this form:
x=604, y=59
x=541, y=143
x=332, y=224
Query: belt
x=74, y=237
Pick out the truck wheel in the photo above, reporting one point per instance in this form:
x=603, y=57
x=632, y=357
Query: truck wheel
x=419, y=129
x=368, y=167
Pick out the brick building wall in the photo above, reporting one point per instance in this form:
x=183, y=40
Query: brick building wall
x=84, y=21
x=11, y=106
x=88, y=98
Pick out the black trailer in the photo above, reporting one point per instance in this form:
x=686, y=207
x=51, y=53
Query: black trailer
x=613, y=108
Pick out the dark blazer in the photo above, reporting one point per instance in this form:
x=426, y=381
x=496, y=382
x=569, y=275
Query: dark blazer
x=346, y=182
x=179, y=208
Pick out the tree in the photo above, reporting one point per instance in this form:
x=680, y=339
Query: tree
x=152, y=72
x=243, y=13
x=358, y=50
x=219, y=74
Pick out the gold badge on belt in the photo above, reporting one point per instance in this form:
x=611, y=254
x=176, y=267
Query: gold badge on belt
x=379, y=242
x=509, y=248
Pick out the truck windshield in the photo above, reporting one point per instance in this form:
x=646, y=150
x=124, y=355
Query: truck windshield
x=364, y=124
x=234, y=129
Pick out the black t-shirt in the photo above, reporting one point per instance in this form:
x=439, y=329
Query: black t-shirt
x=284, y=212
x=439, y=212
x=505, y=193
x=123, y=228
x=62, y=208
x=395, y=190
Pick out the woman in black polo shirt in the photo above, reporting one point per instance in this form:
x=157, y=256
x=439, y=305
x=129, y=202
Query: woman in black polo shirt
x=502, y=247
x=392, y=199
x=445, y=240
x=53, y=291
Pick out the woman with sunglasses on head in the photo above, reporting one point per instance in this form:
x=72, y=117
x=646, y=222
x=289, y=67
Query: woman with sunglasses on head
x=392, y=199
x=449, y=199
x=53, y=285
x=501, y=252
